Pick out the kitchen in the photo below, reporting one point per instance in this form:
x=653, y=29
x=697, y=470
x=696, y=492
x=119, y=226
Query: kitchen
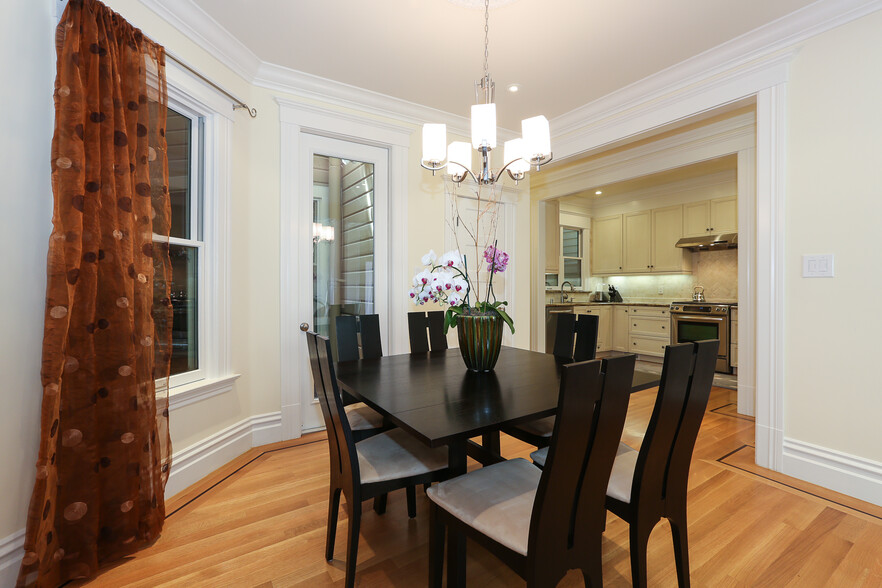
x=654, y=257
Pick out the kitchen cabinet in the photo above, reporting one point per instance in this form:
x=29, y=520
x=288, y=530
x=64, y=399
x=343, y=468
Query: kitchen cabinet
x=606, y=245
x=620, y=326
x=733, y=336
x=637, y=245
x=719, y=215
x=604, y=323
x=667, y=229
x=648, y=243
x=552, y=237
x=649, y=330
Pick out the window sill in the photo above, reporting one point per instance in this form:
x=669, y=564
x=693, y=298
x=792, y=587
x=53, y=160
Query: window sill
x=187, y=394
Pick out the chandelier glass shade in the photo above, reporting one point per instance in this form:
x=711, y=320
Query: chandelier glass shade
x=532, y=148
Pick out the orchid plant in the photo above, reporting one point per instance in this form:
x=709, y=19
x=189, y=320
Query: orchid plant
x=445, y=280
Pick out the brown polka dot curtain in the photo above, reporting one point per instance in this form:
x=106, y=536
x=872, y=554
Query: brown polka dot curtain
x=104, y=450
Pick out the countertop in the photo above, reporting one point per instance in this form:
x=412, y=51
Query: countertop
x=571, y=304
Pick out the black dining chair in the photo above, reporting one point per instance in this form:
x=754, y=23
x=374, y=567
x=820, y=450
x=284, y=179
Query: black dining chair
x=350, y=329
x=370, y=468
x=651, y=483
x=584, y=328
x=542, y=523
x=421, y=323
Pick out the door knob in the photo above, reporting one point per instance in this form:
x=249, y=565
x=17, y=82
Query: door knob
x=304, y=327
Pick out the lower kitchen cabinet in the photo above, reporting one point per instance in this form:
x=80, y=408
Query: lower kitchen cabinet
x=733, y=337
x=649, y=330
x=620, y=327
x=604, y=315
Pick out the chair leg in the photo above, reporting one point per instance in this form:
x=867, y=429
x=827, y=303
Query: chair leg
x=411, y=501
x=456, y=557
x=639, y=541
x=380, y=504
x=681, y=550
x=436, y=546
x=333, y=510
x=352, y=544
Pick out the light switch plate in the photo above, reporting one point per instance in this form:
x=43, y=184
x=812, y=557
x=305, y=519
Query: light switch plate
x=817, y=266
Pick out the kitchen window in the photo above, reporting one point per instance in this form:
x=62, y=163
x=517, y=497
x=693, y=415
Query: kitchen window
x=571, y=255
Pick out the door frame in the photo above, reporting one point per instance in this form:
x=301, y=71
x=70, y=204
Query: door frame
x=297, y=120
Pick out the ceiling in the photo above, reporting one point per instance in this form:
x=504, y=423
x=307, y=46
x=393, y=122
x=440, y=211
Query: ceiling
x=563, y=53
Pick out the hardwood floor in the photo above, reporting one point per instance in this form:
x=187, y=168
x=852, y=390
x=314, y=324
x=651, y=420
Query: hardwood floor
x=260, y=522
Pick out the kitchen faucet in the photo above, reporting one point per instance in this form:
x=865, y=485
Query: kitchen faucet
x=564, y=296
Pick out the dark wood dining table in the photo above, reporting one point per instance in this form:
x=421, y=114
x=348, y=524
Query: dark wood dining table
x=436, y=399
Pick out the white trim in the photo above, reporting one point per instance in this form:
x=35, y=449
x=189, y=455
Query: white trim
x=194, y=392
x=746, y=186
x=848, y=474
x=297, y=119
x=188, y=18
x=193, y=463
x=769, y=286
x=11, y=554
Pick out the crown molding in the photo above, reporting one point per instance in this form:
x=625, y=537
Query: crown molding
x=756, y=60
x=193, y=22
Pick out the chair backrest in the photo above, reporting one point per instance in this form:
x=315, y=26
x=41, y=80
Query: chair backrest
x=340, y=441
x=564, y=333
x=418, y=322
x=586, y=337
x=569, y=511
x=700, y=384
x=348, y=328
x=653, y=461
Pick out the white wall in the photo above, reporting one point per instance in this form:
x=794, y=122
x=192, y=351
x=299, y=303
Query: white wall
x=26, y=122
x=833, y=395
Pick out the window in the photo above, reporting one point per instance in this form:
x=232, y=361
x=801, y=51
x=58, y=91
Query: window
x=571, y=255
x=186, y=246
x=198, y=133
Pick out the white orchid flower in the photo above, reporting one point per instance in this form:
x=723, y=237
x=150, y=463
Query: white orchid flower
x=423, y=278
x=460, y=285
x=454, y=299
x=429, y=258
x=451, y=259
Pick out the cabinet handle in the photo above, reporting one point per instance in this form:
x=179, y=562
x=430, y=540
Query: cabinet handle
x=663, y=326
x=635, y=324
x=635, y=342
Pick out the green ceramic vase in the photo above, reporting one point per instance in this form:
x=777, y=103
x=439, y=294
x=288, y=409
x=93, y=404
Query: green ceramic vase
x=480, y=338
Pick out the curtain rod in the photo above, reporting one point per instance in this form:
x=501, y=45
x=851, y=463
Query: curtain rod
x=237, y=104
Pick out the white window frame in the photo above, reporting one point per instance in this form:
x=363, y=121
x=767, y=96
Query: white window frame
x=561, y=276
x=189, y=95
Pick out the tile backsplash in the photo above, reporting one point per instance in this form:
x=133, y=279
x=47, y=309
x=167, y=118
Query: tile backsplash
x=717, y=271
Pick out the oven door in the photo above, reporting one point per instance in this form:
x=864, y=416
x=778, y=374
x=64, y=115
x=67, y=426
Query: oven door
x=695, y=327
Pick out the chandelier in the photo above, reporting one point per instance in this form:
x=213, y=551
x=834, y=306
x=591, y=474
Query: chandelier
x=532, y=148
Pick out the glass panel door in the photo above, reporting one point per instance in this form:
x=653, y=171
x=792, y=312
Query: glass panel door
x=348, y=246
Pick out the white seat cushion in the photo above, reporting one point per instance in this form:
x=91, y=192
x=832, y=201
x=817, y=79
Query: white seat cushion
x=396, y=454
x=496, y=500
x=540, y=427
x=622, y=474
x=362, y=417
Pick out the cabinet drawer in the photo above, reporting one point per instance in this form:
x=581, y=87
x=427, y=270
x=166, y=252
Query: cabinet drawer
x=649, y=326
x=651, y=311
x=648, y=345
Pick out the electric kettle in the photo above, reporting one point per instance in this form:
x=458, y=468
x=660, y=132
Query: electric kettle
x=698, y=294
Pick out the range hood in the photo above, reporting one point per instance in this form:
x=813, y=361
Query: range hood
x=709, y=242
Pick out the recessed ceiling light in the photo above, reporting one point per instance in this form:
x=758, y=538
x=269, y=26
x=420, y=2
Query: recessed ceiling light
x=599, y=192
x=514, y=88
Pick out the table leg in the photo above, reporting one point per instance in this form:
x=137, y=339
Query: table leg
x=456, y=542
x=490, y=442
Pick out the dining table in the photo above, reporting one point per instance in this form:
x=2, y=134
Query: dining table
x=436, y=399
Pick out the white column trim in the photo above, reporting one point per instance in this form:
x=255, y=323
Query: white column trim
x=769, y=288
x=747, y=281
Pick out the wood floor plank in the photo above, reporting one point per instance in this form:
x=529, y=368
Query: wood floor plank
x=260, y=522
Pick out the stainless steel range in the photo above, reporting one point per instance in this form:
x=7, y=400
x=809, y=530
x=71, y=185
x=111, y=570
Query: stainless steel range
x=697, y=321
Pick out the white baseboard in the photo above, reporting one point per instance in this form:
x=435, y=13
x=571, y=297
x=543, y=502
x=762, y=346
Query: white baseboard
x=188, y=467
x=849, y=474
x=193, y=463
x=10, y=557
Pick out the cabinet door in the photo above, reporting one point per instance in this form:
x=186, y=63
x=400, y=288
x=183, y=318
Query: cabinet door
x=604, y=328
x=724, y=215
x=637, y=253
x=667, y=229
x=606, y=245
x=696, y=218
x=620, y=328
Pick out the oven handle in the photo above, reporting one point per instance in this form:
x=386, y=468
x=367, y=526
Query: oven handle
x=699, y=317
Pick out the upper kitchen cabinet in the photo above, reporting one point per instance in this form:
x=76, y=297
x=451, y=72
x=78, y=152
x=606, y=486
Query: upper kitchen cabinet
x=606, y=245
x=667, y=229
x=637, y=248
x=719, y=215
